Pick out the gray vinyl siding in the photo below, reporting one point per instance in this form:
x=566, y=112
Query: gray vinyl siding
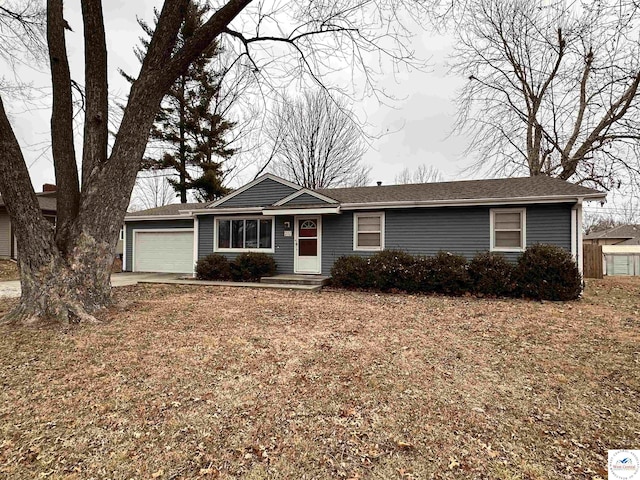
x=423, y=231
x=305, y=199
x=205, y=236
x=5, y=236
x=283, y=251
x=426, y=231
x=149, y=225
x=549, y=224
x=264, y=193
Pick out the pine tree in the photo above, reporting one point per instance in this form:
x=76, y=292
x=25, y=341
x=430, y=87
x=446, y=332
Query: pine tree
x=191, y=136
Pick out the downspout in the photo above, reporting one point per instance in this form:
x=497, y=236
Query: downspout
x=196, y=235
x=579, y=233
x=124, y=247
x=574, y=232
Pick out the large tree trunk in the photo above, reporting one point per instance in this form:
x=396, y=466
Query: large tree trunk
x=65, y=272
x=64, y=287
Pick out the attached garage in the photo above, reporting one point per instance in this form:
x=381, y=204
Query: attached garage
x=166, y=251
x=159, y=243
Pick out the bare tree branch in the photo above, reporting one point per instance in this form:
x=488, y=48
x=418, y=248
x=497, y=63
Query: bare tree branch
x=64, y=157
x=317, y=143
x=96, y=91
x=552, y=90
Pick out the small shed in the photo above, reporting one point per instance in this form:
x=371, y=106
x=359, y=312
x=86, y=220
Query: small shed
x=621, y=260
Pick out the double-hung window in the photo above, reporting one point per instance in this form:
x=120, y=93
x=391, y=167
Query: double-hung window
x=508, y=229
x=238, y=234
x=368, y=231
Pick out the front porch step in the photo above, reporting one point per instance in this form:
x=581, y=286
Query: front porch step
x=292, y=279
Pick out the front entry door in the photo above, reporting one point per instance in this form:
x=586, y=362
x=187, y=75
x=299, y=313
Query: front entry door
x=308, y=242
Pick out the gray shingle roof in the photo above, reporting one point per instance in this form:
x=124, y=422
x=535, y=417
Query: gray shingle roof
x=172, y=209
x=47, y=201
x=621, y=231
x=524, y=187
x=505, y=188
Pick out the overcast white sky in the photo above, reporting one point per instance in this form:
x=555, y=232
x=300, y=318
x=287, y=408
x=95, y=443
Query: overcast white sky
x=419, y=121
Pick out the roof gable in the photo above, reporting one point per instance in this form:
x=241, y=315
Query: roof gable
x=305, y=197
x=263, y=191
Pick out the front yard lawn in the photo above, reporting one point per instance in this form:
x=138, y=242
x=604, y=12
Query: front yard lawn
x=209, y=382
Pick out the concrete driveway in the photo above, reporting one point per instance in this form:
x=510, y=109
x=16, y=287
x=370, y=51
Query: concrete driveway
x=11, y=289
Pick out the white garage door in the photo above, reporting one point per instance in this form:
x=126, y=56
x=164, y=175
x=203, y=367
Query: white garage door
x=170, y=252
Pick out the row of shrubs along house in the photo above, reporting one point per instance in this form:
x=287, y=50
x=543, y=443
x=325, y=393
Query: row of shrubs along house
x=306, y=231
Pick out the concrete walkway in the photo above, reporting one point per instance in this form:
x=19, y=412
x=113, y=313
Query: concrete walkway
x=11, y=289
x=286, y=286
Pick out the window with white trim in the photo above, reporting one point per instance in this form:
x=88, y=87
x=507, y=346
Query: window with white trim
x=243, y=234
x=368, y=231
x=508, y=229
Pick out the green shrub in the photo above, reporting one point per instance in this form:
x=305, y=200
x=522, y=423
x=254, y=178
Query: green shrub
x=351, y=271
x=213, y=267
x=547, y=272
x=450, y=274
x=491, y=274
x=390, y=269
x=252, y=266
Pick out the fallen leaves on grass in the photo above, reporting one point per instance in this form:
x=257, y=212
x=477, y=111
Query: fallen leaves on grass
x=8, y=270
x=201, y=382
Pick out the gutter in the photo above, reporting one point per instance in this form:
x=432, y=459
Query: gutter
x=156, y=217
x=474, y=202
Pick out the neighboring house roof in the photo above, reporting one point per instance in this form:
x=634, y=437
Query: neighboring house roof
x=621, y=231
x=171, y=209
x=490, y=192
x=503, y=188
x=47, y=201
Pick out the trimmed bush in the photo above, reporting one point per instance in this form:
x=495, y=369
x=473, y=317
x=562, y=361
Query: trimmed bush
x=450, y=274
x=547, y=272
x=491, y=274
x=390, y=269
x=213, y=267
x=420, y=276
x=252, y=266
x=543, y=272
x=351, y=271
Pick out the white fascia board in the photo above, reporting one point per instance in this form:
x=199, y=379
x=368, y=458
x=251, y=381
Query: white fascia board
x=258, y=180
x=465, y=203
x=225, y=211
x=303, y=211
x=295, y=195
x=157, y=217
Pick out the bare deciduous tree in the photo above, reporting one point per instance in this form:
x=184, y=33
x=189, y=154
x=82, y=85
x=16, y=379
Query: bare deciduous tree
x=614, y=214
x=318, y=143
x=152, y=190
x=552, y=89
x=65, y=269
x=423, y=174
x=22, y=31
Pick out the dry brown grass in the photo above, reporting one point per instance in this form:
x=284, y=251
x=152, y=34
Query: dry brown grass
x=8, y=270
x=205, y=382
